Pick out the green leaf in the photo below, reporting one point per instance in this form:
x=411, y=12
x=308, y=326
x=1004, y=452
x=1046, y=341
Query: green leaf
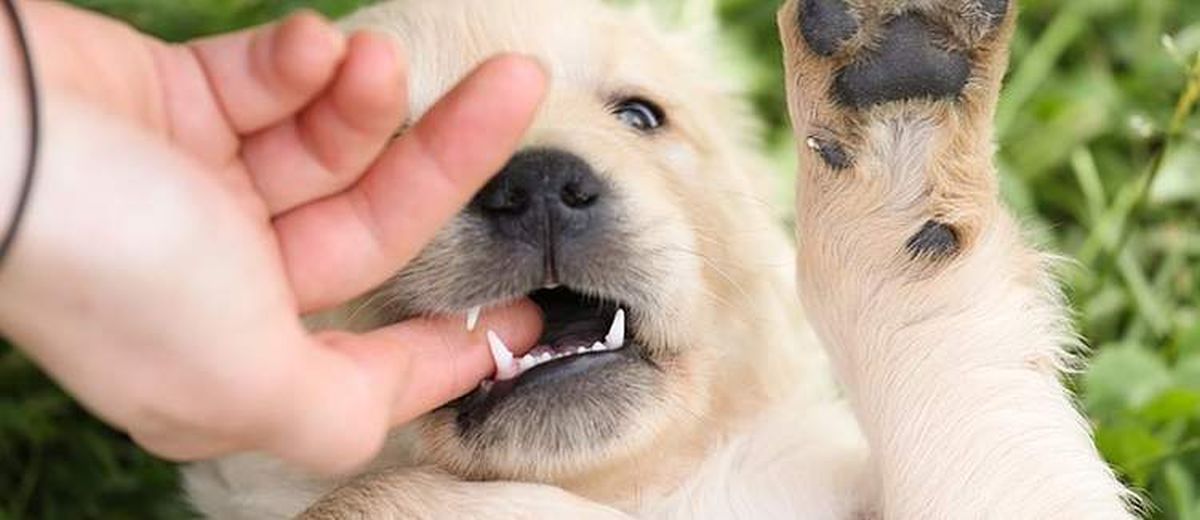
x=1172, y=404
x=1133, y=447
x=1124, y=378
x=1179, y=177
x=1187, y=372
x=1181, y=487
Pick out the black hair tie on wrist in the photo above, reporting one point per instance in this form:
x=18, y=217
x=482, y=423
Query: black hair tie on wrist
x=35, y=133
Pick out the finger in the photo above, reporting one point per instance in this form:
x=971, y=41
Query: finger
x=430, y=362
x=341, y=246
x=263, y=75
x=181, y=446
x=326, y=147
x=349, y=394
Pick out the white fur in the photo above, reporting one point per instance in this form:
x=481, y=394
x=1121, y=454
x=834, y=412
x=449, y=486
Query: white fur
x=797, y=461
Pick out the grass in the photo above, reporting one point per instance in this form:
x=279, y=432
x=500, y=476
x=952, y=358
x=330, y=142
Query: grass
x=1100, y=155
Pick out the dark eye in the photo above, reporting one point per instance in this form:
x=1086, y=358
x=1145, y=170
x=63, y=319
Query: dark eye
x=639, y=114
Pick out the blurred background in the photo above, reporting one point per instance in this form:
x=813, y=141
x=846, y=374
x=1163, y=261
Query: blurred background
x=1100, y=155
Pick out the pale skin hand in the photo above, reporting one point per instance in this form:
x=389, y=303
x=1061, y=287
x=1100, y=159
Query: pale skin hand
x=195, y=200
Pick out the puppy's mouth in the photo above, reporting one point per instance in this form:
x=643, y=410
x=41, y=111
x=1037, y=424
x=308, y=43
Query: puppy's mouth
x=582, y=335
x=574, y=326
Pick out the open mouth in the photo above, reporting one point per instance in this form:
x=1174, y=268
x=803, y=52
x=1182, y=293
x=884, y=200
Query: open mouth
x=575, y=325
x=582, y=335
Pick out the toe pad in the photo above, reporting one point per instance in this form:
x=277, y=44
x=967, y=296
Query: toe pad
x=827, y=25
x=935, y=241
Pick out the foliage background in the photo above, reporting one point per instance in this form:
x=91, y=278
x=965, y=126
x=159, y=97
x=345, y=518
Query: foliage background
x=1099, y=151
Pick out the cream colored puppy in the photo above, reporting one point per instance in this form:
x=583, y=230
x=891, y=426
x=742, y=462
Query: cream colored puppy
x=676, y=376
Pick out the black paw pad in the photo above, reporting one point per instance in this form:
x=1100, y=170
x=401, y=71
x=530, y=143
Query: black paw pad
x=827, y=25
x=832, y=153
x=906, y=65
x=935, y=241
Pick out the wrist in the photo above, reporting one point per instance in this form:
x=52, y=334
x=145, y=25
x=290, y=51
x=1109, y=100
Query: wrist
x=94, y=59
x=18, y=97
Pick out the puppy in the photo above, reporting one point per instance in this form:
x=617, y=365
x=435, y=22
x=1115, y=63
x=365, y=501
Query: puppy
x=676, y=376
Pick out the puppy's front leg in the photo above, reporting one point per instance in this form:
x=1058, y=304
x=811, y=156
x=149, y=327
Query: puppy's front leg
x=945, y=328
x=429, y=494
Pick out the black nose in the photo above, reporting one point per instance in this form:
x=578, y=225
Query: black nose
x=545, y=197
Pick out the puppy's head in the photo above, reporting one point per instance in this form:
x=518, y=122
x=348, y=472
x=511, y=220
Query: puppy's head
x=629, y=215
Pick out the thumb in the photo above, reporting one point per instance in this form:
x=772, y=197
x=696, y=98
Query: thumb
x=357, y=386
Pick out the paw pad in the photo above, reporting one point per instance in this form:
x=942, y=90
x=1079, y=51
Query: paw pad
x=934, y=241
x=832, y=153
x=827, y=25
x=905, y=65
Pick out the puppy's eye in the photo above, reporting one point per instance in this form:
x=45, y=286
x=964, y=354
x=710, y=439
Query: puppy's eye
x=640, y=114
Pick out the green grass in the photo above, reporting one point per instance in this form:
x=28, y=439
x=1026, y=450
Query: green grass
x=1100, y=155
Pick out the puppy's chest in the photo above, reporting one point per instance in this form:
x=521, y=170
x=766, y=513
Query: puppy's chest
x=795, y=462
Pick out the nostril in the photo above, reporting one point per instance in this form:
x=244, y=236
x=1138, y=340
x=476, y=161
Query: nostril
x=539, y=186
x=578, y=196
x=511, y=201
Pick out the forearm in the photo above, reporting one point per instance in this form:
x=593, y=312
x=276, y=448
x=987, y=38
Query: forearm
x=957, y=377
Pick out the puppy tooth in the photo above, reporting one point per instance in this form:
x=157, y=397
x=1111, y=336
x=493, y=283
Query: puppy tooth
x=473, y=318
x=616, y=333
x=506, y=366
x=598, y=347
x=526, y=363
x=500, y=351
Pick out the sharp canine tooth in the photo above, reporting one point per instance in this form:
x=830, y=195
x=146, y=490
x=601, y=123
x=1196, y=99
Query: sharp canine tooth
x=473, y=318
x=506, y=366
x=616, y=334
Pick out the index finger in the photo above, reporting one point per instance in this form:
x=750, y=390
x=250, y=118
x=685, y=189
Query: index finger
x=339, y=247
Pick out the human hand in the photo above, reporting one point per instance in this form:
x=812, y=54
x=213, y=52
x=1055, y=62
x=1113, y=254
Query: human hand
x=193, y=200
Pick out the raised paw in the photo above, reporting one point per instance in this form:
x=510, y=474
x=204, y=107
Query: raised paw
x=892, y=103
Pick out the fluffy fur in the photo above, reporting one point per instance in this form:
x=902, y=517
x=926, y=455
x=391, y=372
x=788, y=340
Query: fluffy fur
x=949, y=365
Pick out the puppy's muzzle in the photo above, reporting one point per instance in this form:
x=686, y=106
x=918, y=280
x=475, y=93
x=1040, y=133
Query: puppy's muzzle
x=551, y=201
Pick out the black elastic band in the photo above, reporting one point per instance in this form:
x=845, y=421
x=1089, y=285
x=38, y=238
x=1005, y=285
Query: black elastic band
x=35, y=131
